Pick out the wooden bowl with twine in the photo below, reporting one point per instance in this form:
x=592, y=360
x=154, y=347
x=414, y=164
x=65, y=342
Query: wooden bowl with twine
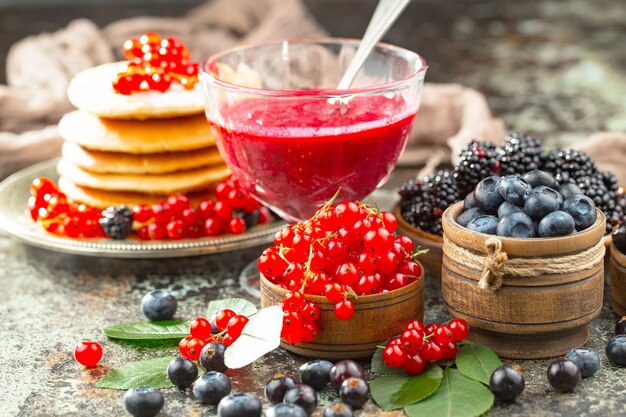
x=376, y=318
x=434, y=243
x=525, y=298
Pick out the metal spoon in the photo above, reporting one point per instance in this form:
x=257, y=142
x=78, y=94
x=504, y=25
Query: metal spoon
x=384, y=16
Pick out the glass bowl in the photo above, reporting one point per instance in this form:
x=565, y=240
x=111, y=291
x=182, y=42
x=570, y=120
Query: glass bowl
x=291, y=138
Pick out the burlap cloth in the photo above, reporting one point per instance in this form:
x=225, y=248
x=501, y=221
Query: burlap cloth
x=40, y=67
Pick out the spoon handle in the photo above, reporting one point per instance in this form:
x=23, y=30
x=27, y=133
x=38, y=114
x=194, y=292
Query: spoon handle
x=384, y=16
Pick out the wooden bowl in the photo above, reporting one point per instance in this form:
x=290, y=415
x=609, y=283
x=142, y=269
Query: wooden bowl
x=376, y=318
x=617, y=272
x=431, y=259
x=527, y=317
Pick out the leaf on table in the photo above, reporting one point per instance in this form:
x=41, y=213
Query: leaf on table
x=238, y=305
x=147, y=343
x=148, y=330
x=457, y=396
x=391, y=392
x=477, y=362
x=145, y=373
x=378, y=366
x=260, y=336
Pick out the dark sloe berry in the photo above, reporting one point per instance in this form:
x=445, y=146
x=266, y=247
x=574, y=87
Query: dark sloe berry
x=159, y=305
x=143, y=401
x=558, y=223
x=212, y=357
x=616, y=350
x=506, y=383
x=484, y=224
x=586, y=359
x=182, y=372
x=211, y=387
x=239, y=405
x=563, y=375
x=344, y=370
x=277, y=387
x=302, y=395
x=354, y=392
x=316, y=373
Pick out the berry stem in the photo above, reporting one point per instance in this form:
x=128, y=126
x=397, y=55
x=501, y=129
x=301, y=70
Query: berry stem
x=418, y=251
x=307, y=269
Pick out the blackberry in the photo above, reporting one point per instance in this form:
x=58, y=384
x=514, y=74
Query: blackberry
x=477, y=160
x=569, y=166
x=444, y=190
x=604, y=190
x=519, y=154
x=117, y=222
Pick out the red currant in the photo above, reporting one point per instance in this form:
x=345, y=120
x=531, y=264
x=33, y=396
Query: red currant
x=88, y=353
x=368, y=284
x=378, y=240
x=228, y=339
x=387, y=263
x=333, y=292
x=182, y=346
x=394, y=341
x=162, y=213
x=344, y=310
x=235, y=326
x=270, y=264
x=347, y=273
x=430, y=329
x=222, y=210
x=414, y=364
x=431, y=351
x=449, y=350
x=200, y=328
x=415, y=324
x=223, y=317
x=309, y=332
x=405, y=242
x=293, y=301
x=292, y=327
x=459, y=329
x=42, y=186
x=443, y=335
x=142, y=213
x=194, y=347
x=412, y=340
x=236, y=226
x=212, y=227
x=410, y=269
x=317, y=283
x=368, y=262
x=389, y=221
x=205, y=209
x=156, y=231
x=265, y=215
x=176, y=229
x=394, y=356
x=347, y=213
x=309, y=312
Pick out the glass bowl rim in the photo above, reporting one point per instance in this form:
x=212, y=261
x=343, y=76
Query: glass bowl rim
x=206, y=75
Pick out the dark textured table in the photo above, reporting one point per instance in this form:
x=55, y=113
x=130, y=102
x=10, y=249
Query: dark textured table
x=551, y=67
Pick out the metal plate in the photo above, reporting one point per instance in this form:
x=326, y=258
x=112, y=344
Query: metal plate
x=14, y=193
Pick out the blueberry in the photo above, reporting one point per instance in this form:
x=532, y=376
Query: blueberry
x=514, y=189
x=619, y=238
x=507, y=208
x=616, y=350
x=302, y=395
x=506, y=383
x=344, y=370
x=212, y=357
x=557, y=223
x=538, y=205
x=470, y=201
x=582, y=209
x=586, y=359
x=484, y=224
x=620, y=326
x=143, y=401
x=568, y=190
x=542, y=189
x=211, y=387
x=338, y=410
x=117, y=222
x=536, y=178
x=159, y=305
x=354, y=392
x=277, y=387
x=182, y=372
x=518, y=225
x=239, y=405
x=487, y=194
x=563, y=375
x=468, y=215
x=316, y=373
x=285, y=410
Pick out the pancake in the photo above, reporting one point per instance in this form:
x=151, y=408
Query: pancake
x=92, y=90
x=172, y=183
x=103, y=199
x=150, y=136
x=124, y=163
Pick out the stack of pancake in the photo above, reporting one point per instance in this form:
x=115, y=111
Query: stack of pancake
x=138, y=148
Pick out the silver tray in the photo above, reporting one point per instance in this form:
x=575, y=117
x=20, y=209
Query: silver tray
x=14, y=220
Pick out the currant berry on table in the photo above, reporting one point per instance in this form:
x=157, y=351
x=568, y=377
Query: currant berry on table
x=211, y=387
x=212, y=356
x=563, y=375
x=355, y=392
x=506, y=383
x=88, y=353
x=276, y=388
x=302, y=395
x=182, y=372
x=343, y=370
x=316, y=373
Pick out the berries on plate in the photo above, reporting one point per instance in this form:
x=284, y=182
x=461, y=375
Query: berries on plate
x=316, y=373
x=285, y=410
x=212, y=356
x=616, y=350
x=338, y=409
x=182, y=372
x=88, y=353
x=506, y=383
x=344, y=370
x=159, y=305
x=143, y=401
x=117, y=222
x=302, y=395
x=211, y=387
x=563, y=375
x=355, y=392
x=239, y=405
x=276, y=387
x=586, y=359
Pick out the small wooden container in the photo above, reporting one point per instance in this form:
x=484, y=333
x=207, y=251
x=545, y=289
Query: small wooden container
x=431, y=259
x=376, y=318
x=617, y=272
x=527, y=317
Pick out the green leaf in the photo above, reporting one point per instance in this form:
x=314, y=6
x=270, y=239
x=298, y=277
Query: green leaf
x=477, y=362
x=238, y=305
x=146, y=373
x=381, y=368
x=457, y=396
x=391, y=392
x=147, y=343
x=148, y=330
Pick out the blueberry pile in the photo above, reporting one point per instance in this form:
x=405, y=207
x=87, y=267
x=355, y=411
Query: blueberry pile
x=534, y=205
x=423, y=201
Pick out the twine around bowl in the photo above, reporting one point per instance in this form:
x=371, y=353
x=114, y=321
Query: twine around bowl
x=495, y=262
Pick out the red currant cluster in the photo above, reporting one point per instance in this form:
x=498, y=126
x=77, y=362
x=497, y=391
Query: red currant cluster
x=342, y=252
x=177, y=219
x=155, y=63
x=418, y=344
x=228, y=324
x=299, y=318
x=49, y=206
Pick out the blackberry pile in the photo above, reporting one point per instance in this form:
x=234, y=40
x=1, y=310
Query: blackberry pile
x=424, y=201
